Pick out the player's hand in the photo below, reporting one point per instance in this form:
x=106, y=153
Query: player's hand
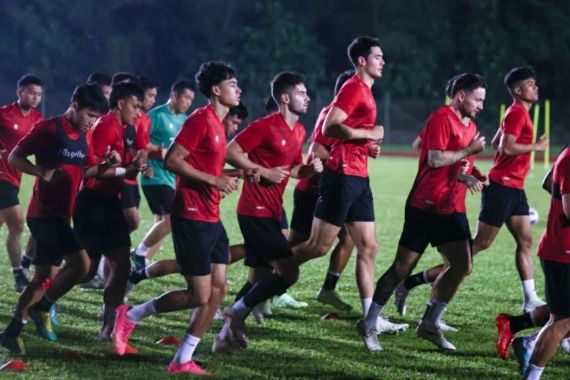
x=482, y=177
x=252, y=175
x=376, y=133
x=541, y=144
x=52, y=175
x=226, y=184
x=148, y=172
x=464, y=166
x=374, y=150
x=477, y=144
x=472, y=183
x=317, y=165
x=276, y=174
x=112, y=157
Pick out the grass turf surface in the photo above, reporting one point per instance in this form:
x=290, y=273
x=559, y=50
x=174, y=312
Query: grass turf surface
x=297, y=343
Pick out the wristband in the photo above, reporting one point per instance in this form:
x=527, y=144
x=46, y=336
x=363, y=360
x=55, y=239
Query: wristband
x=120, y=171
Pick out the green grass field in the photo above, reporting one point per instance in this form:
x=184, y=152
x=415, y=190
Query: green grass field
x=297, y=343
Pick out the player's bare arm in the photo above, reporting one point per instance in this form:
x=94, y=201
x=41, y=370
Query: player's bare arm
x=335, y=128
x=509, y=146
x=440, y=158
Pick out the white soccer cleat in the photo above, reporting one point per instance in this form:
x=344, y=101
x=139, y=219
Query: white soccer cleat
x=219, y=315
x=331, y=297
x=400, y=295
x=385, y=326
x=532, y=304
x=257, y=313
x=444, y=327
x=369, y=336
x=225, y=346
x=267, y=308
x=565, y=345
x=434, y=335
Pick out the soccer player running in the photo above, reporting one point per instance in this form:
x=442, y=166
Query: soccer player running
x=61, y=155
x=197, y=157
x=435, y=211
x=504, y=200
x=273, y=146
x=345, y=197
x=165, y=122
x=16, y=120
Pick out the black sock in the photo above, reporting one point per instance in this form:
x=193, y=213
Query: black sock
x=243, y=291
x=18, y=271
x=385, y=286
x=414, y=280
x=265, y=289
x=26, y=262
x=43, y=305
x=137, y=276
x=330, y=281
x=14, y=328
x=521, y=322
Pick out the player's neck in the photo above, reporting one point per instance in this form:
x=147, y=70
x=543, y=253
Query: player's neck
x=456, y=110
x=290, y=118
x=526, y=104
x=365, y=77
x=221, y=110
x=117, y=113
x=171, y=108
x=24, y=110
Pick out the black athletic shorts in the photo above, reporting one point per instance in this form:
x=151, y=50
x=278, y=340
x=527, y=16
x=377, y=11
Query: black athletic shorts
x=130, y=196
x=557, y=286
x=198, y=245
x=8, y=195
x=284, y=221
x=54, y=238
x=499, y=203
x=344, y=199
x=264, y=242
x=422, y=228
x=99, y=223
x=303, y=209
x=159, y=198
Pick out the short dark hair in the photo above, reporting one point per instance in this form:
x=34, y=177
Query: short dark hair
x=212, y=73
x=240, y=111
x=180, y=85
x=125, y=90
x=29, y=79
x=342, y=77
x=99, y=79
x=90, y=96
x=361, y=47
x=519, y=74
x=123, y=76
x=146, y=83
x=283, y=82
x=468, y=82
x=270, y=104
x=449, y=85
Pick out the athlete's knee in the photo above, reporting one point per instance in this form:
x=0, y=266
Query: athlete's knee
x=524, y=243
x=199, y=297
x=461, y=268
x=401, y=269
x=290, y=274
x=481, y=244
x=16, y=227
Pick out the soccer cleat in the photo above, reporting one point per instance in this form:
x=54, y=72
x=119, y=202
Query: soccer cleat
x=257, y=313
x=236, y=327
x=219, y=315
x=188, y=367
x=42, y=319
x=97, y=282
x=434, y=335
x=444, y=327
x=385, y=326
x=130, y=286
x=369, y=336
x=521, y=353
x=532, y=304
x=20, y=281
x=139, y=261
x=565, y=345
x=331, y=297
x=267, y=308
x=400, y=295
x=286, y=301
x=224, y=346
x=123, y=329
x=53, y=315
x=13, y=344
x=504, y=335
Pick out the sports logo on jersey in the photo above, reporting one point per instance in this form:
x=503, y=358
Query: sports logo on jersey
x=217, y=138
x=16, y=126
x=283, y=142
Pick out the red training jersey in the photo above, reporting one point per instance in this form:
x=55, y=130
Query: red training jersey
x=511, y=171
x=439, y=190
x=204, y=136
x=56, y=144
x=142, y=128
x=13, y=126
x=311, y=184
x=108, y=132
x=269, y=142
x=555, y=240
x=350, y=157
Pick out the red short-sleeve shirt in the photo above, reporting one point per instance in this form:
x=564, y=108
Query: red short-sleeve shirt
x=511, y=171
x=13, y=126
x=438, y=190
x=555, y=240
x=202, y=135
x=356, y=100
x=269, y=142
